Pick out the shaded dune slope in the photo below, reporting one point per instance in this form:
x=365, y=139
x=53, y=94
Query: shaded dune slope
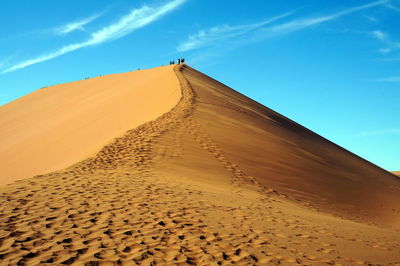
x=194, y=187
x=57, y=126
x=282, y=155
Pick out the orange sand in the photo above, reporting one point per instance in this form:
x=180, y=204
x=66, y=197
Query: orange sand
x=57, y=126
x=217, y=180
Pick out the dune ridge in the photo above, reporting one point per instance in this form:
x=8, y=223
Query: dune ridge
x=173, y=192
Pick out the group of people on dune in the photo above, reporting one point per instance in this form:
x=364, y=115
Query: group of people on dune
x=179, y=61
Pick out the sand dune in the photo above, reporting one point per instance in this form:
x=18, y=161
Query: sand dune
x=396, y=173
x=57, y=126
x=217, y=180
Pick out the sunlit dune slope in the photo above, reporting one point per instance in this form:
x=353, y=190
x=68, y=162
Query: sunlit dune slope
x=285, y=156
x=57, y=126
x=396, y=173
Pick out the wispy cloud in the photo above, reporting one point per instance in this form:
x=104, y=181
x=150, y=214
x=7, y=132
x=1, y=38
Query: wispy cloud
x=261, y=31
x=393, y=7
x=136, y=19
x=371, y=18
x=379, y=35
x=5, y=62
x=300, y=24
x=389, y=79
x=390, y=45
x=222, y=33
x=76, y=25
x=387, y=131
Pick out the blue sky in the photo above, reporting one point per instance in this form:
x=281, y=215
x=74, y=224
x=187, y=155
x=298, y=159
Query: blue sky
x=332, y=66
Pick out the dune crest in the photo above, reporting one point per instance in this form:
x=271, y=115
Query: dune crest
x=217, y=180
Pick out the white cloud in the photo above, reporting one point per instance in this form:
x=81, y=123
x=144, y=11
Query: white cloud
x=393, y=7
x=371, y=19
x=384, y=37
x=5, y=61
x=387, y=131
x=73, y=26
x=300, y=24
x=207, y=37
x=136, y=19
x=221, y=33
x=389, y=79
x=379, y=35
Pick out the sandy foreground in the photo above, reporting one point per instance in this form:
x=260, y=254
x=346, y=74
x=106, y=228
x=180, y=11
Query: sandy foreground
x=209, y=177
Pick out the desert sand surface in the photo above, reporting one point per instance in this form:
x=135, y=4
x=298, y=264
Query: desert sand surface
x=396, y=173
x=217, y=180
x=56, y=126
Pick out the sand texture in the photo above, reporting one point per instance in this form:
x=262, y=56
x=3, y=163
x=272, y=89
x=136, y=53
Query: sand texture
x=217, y=180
